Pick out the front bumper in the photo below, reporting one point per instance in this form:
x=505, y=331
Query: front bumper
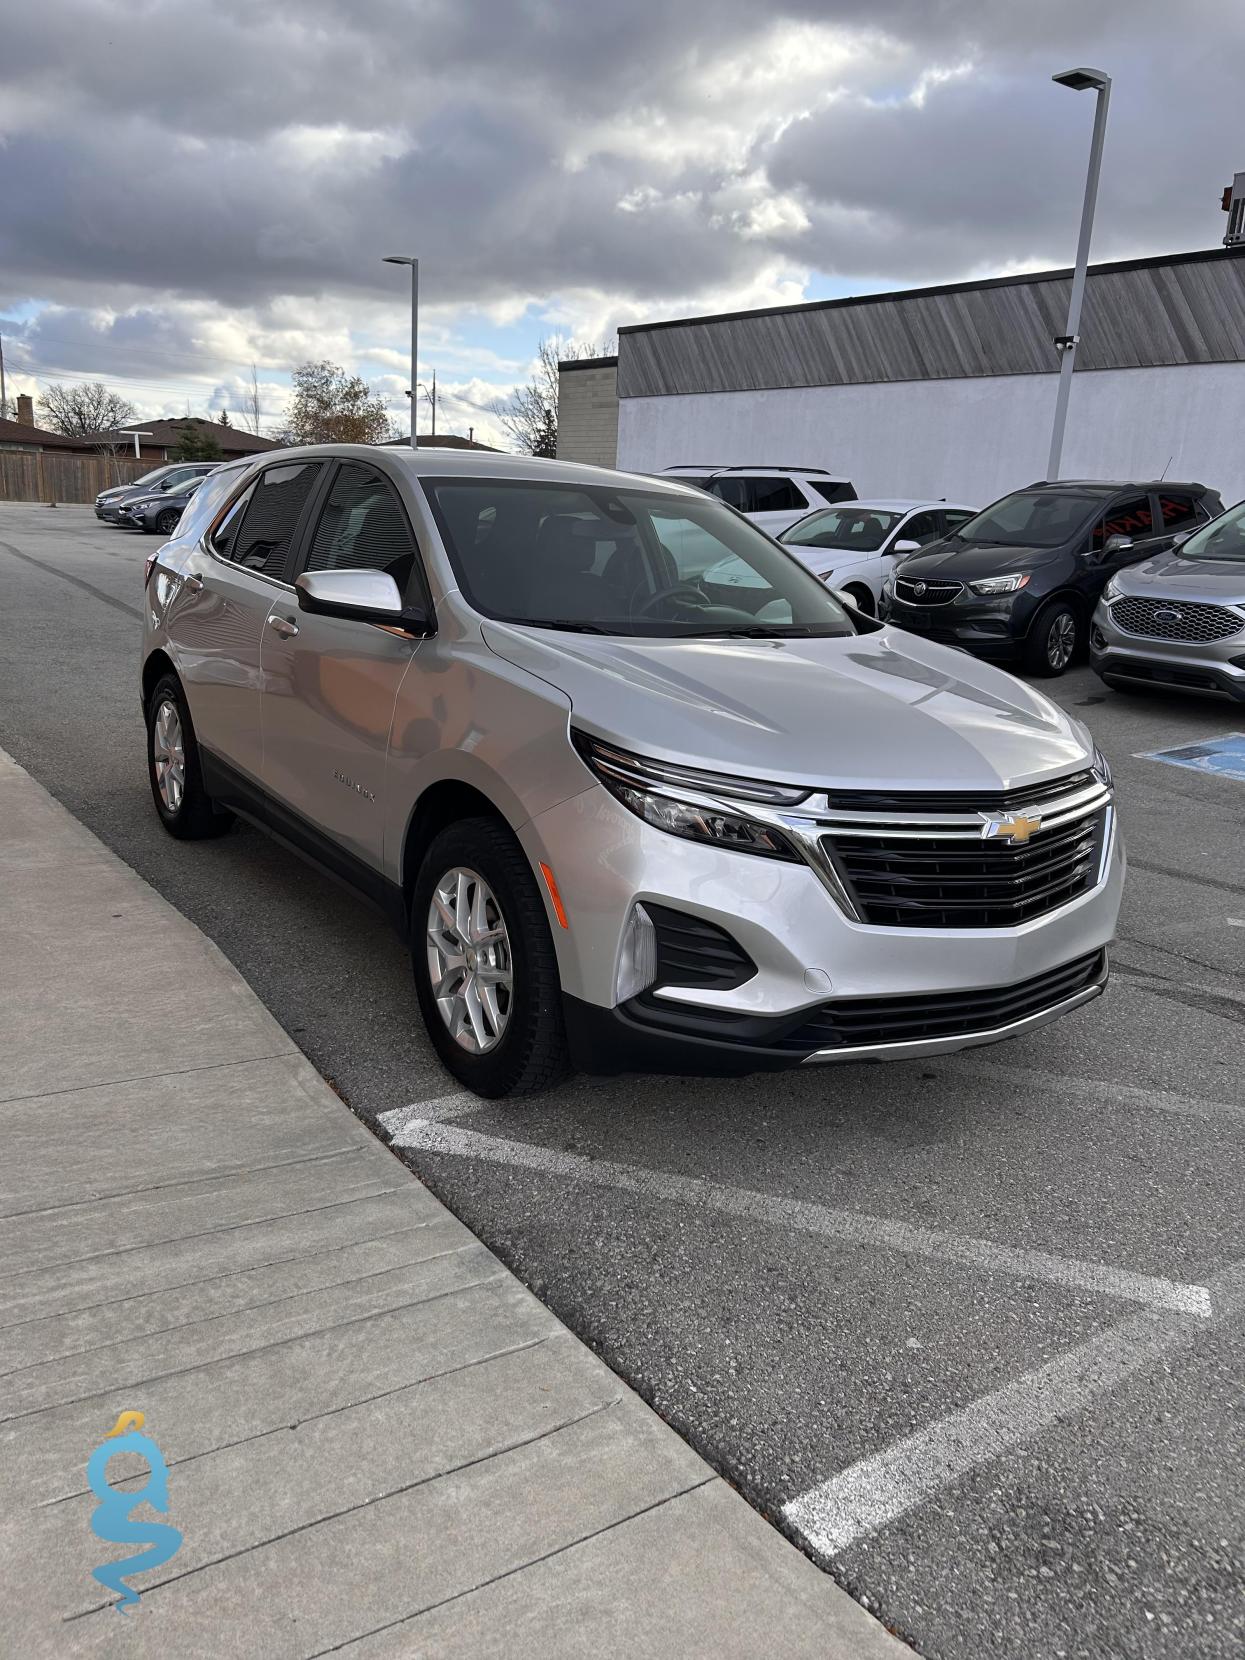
x=990, y=627
x=1208, y=669
x=812, y=961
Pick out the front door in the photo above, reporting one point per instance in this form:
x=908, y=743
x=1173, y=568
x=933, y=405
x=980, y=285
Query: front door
x=330, y=684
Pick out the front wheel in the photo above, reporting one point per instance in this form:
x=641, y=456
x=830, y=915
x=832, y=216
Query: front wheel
x=486, y=973
x=167, y=521
x=1053, y=640
x=185, y=808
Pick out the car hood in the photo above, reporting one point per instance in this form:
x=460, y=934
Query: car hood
x=827, y=559
x=1168, y=576
x=869, y=711
x=966, y=561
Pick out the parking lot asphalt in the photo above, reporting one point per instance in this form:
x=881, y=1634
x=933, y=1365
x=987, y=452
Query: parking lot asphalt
x=971, y=1329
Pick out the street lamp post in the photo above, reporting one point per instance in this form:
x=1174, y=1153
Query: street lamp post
x=405, y=259
x=1080, y=80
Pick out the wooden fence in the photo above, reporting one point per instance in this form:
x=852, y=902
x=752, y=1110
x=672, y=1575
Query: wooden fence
x=62, y=475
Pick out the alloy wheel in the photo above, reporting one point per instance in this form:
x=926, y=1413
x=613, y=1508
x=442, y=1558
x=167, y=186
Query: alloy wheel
x=470, y=964
x=168, y=755
x=1061, y=640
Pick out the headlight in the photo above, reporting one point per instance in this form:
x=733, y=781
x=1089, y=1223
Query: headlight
x=1102, y=768
x=659, y=794
x=1112, y=591
x=888, y=585
x=1001, y=584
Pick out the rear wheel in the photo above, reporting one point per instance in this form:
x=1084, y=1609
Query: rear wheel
x=486, y=973
x=185, y=808
x=1053, y=640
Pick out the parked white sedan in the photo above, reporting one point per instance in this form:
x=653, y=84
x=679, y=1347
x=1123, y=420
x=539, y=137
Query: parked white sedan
x=853, y=545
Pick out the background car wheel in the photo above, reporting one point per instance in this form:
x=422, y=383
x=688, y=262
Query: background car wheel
x=861, y=598
x=185, y=808
x=166, y=522
x=1054, y=639
x=486, y=973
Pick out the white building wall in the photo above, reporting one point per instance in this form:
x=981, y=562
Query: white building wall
x=969, y=440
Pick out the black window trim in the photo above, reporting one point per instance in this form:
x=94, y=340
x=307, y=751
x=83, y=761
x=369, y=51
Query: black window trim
x=304, y=537
x=293, y=552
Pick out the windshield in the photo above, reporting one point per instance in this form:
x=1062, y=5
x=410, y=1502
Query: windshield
x=148, y=478
x=1033, y=518
x=624, y=562
x=858, y=529
x=1223, y=538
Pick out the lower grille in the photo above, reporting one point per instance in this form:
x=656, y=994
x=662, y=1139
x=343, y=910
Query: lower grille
x=864, y=1022
x=913, y=591
x=693, y=952
x=1176, y=619
x=964, y=882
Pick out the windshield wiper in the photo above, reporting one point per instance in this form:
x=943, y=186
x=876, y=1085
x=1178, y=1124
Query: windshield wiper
x=759, y=631
x=563, y=623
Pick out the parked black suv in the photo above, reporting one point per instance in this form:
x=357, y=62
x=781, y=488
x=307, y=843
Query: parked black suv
x=1019, y=582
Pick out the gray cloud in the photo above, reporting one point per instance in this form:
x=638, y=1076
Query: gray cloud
x=212, y=153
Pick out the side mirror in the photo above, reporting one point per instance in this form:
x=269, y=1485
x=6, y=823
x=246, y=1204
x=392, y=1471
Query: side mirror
x=1116, y=544
x=358, y=596
x=906, y=546
x=1181, y=537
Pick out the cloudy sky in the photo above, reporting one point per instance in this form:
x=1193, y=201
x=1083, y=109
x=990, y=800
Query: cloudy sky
x=188, y=187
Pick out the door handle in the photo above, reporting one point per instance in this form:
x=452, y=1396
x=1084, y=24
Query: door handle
x=193, y=584
x=283, y=626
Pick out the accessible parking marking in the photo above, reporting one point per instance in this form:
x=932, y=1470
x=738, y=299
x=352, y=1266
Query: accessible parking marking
x=1225, y=756
x=852, y=1227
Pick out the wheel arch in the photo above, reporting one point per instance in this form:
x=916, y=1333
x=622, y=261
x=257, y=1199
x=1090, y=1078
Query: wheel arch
x=158, y=664
x=440, y=805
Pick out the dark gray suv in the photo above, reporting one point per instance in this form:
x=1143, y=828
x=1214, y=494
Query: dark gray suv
x=1018, y=583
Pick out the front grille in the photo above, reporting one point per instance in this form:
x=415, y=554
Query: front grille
x=1175, y=619
x=933, y=881
x=693, y=952
x=864, y=1022
x=914, y=591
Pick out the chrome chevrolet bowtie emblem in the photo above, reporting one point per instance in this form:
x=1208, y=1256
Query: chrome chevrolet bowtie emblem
x=1010, y=827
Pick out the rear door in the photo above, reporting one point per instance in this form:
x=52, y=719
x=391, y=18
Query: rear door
x=230, y=582
x=330, y=684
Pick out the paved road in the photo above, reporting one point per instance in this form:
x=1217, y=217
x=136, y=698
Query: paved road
x=972, y=1329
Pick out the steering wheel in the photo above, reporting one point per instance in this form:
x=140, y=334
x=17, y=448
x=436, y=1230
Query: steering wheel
x=699, y=600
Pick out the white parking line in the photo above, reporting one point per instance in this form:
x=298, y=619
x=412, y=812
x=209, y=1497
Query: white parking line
x=440, y=1108
x=851, y=1226
x=879, y=1489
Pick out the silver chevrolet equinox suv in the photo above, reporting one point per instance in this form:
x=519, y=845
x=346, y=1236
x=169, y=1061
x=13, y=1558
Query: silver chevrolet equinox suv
x=638, y=789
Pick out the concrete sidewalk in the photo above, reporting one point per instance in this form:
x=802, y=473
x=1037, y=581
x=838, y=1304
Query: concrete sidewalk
x=377, y=1439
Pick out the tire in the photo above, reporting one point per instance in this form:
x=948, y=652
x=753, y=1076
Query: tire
x=524, y=1047
x=862, y=598
x=185, y=808
x=1053, y=641
x=167, y=522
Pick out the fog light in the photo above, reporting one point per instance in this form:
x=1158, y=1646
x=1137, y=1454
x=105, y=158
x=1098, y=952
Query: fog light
x=637, y=961
x=1097, y=638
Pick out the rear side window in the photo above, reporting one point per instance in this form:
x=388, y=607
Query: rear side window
x=922, y=528
x=833, y=490
x=363, y=527
x=1179, y=510
x=1131, y=518
x=774, y=495
x=258, y=533
x=207, y=500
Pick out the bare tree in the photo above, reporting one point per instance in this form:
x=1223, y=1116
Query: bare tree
x=530, y=413
x=87, y=410
x=331, y=407
x=250, y=404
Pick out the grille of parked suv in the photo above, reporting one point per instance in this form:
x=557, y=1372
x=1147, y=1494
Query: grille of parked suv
x=909, y=872
x=913, y=591
x=1175, y=619
x=860, y=1022
x=1021, y=799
